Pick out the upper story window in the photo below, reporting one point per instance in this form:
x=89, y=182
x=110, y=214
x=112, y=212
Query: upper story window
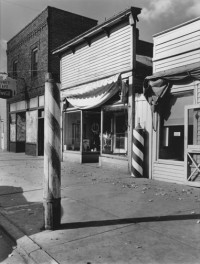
x=34, y=62
x=15, y=69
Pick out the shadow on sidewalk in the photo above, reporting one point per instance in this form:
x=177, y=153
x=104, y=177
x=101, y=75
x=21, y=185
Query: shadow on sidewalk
x=26, y=216
x=129, y=221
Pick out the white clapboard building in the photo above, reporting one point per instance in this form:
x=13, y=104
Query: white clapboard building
x=173, y=92
x=102, y=73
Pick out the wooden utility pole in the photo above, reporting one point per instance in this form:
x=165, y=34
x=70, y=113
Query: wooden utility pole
x=52, y=155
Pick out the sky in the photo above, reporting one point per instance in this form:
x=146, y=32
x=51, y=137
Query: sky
x=156, y=16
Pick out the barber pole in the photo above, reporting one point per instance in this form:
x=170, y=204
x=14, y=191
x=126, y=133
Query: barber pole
x=52, y=155
x=137, y=152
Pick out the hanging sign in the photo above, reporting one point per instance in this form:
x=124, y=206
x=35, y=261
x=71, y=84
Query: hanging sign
x=5, y=93
x=7, y=86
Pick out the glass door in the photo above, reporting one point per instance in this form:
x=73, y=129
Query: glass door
x=192, y=144
x=120, y=134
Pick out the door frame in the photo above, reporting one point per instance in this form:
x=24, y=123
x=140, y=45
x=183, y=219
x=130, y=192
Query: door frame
x=190, y=149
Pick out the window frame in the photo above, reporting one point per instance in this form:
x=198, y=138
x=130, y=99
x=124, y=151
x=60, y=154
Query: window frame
x=34, y=62
x=14, y=69
x=175, y=92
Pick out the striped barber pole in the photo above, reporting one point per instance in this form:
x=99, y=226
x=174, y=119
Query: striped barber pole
x=52, y=154
x=137, y=152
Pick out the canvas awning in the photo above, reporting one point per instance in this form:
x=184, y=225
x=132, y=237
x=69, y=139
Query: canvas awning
x=93, y=94
x=156, y=85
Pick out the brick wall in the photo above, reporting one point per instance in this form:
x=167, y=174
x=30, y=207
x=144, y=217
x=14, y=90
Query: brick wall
x=50, y=29
x=20, y=47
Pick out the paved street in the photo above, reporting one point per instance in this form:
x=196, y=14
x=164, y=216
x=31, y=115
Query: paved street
x=107, y=216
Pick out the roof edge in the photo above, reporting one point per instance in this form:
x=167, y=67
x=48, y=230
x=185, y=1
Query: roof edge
x=135, y=11
x=176, y=27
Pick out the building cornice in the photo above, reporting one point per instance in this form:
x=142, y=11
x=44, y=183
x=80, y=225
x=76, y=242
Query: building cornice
x=104, y=27
x=28, y=37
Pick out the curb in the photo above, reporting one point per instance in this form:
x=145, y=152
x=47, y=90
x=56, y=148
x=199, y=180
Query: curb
x=32, y=252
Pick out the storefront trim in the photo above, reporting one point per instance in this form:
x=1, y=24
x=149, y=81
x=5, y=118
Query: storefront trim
x=110, y=156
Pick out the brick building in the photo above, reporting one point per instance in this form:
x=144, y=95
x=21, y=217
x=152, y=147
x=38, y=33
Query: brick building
x=29, y=57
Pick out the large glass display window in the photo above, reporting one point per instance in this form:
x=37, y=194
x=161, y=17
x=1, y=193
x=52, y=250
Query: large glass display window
x=13, y=127
x=171, y=139
x=114, y=137
x=72, y=135
x=21, y=127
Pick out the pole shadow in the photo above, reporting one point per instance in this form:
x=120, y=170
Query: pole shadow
x=134, y=220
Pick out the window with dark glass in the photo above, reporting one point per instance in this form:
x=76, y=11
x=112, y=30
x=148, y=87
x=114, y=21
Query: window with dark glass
x=34, y=62
x=171, y=141
x=72, y=137
x=15, y=69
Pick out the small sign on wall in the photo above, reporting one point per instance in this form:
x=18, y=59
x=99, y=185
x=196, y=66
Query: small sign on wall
x=177, y=134
x=5, y=93
x=7, y=86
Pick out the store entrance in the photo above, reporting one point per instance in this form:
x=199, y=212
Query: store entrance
x=40, y=136
x=91, y=136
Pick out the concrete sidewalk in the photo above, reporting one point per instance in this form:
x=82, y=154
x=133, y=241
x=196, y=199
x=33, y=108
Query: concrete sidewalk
x=107, y=217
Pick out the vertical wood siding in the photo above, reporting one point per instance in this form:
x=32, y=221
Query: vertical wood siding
x=105, y=56
x=177, y=47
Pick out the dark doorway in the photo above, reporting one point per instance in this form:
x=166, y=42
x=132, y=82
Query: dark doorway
x=40, y=136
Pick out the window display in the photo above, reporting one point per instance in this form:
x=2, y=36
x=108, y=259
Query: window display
x=13, y=127
x=21, y=127
x=72, y=130
x=115, y=132
x=114, y=136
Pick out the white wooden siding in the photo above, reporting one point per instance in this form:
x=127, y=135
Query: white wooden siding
x=105, y=56
x=198, y=93
x=177, y=61
x=177, y=47
x=142, y=111
x=169, y=172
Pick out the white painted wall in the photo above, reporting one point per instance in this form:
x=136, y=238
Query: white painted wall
x=105, y=56
x=3, y=125
x=177, y=47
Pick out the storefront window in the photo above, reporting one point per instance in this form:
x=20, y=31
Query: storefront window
x=13, y=127
x=21, y=127
x=171, y=143
x=72, y=131
x=115, y=132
